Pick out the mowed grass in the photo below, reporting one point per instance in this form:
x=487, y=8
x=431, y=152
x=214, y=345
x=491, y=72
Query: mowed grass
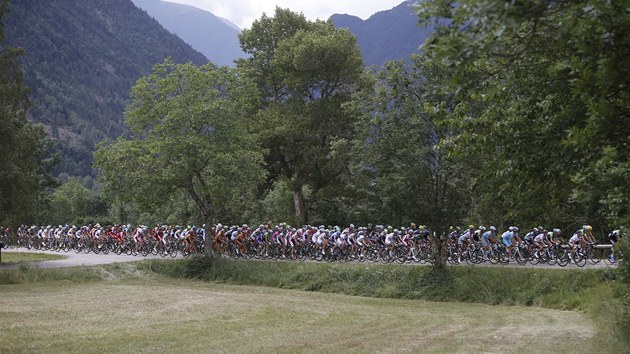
x=21, y=257
x=152, y=313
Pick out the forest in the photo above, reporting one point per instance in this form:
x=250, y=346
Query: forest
x=515, y=113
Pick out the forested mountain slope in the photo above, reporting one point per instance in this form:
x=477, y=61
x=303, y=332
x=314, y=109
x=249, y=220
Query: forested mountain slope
x=387, y=35
x=213, y=36
x=82, y=58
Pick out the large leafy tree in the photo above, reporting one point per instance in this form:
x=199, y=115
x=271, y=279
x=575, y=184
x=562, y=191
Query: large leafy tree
x=401, y=169
x=191, y=133
x=552, y=136
x=306, y=71
x=24, y=157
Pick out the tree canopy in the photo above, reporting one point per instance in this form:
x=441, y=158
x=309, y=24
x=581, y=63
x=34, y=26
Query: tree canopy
x=543, y=104
x=24, y=158
x=305, y=71
x=191, y=132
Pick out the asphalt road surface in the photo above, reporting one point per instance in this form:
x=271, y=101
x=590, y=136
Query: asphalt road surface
x=74, y=259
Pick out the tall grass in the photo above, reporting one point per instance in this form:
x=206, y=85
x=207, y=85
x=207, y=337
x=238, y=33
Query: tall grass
x=599, y=293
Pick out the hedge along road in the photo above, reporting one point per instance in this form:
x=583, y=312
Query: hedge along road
x=90, y=259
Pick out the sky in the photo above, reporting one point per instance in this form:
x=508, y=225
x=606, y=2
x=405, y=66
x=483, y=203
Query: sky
x=243, y=12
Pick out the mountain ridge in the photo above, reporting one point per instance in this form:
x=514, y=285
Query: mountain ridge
x=81, y=60
x=215, y=37
x=375, y=35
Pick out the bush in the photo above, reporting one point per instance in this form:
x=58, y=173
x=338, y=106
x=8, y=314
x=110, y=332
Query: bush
x=624, y=265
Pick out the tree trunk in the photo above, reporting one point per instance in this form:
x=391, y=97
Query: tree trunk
x=441, y=248
x=207, y=211
x=301, y=214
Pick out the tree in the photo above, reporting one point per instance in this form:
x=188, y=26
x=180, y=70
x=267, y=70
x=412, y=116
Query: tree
x=305, y=71
x=24, y=155
x=547, y=105
x=407, y=177
x=191, y=133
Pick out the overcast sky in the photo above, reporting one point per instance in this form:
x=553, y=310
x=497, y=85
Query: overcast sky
x=243, y=12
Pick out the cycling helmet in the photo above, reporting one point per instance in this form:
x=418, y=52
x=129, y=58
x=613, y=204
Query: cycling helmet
x=482, y=228
x=492, y=228
x=511, y=228
x=558, y=231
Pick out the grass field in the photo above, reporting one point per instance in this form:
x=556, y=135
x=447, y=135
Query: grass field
x=21, y=257
x=131, y=310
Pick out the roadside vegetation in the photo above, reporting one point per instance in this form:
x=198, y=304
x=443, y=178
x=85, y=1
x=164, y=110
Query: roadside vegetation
x=20, y=257
x=91, y=309
x=599, y=294
x=593, y=303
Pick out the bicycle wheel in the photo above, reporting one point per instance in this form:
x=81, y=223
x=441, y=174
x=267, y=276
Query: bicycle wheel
x=520, y=257
x=594, y=255
x=579, y=259
x=563, y=258
x=536, y=258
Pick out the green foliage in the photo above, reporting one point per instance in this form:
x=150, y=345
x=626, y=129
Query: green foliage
x=305, y=72
x=73, y=203
x=81, y=60
x=405, y=175
x=24, y=159
x=624, y=266
x=17, y=257
x=27, y=275
x=191, y=132
x=543, y=105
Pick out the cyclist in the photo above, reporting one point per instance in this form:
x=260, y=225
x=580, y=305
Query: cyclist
x=139, y=236
x=588, y=234
x=487, y=240
x=389, y=239
x=578, y=238
x=614, y=237
x=189, y=239
x=508, y=236
x=464, y=240
x=478, y=233
x=241, y=238
x=529, y=238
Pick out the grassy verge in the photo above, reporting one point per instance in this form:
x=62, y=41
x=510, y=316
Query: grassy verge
x=129, y=310
x=597, y=293
x=18, y=257
x=79, y=275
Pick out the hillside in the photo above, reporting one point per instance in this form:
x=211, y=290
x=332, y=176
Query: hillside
x=387, y=35
x=81, y=60
x=213, y=36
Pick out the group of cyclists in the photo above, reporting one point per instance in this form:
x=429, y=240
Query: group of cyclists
x=286, y=241
x=536, y=240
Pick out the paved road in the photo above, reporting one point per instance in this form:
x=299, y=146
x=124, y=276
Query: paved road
x=78, y=259
x=74, y=259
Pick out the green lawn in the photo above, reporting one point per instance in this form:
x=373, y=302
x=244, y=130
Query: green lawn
x=151, y=313
x=17, y=257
